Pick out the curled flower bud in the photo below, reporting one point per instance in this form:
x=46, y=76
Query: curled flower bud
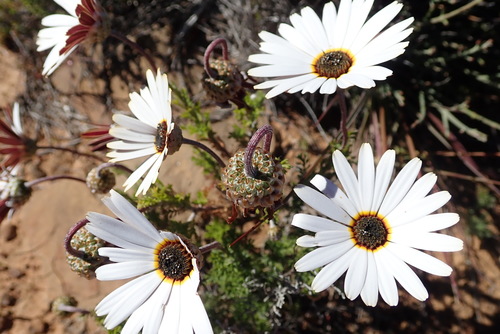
x=226, y=84
x=88, y=244
x=250, y=192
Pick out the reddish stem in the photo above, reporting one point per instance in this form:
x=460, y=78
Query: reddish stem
x=210, y=48
x=265, y=132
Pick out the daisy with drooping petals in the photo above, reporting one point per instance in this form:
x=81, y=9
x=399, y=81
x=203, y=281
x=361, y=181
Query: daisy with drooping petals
x=342, y=49
x=373, y=231
x=151, y=133
x=13, y=192
x=164, y=298
x=87, y=21
x=14, y=145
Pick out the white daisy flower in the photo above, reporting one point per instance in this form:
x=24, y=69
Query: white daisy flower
x=374, y=230
x=146, y=134
x=86, y=21
x=164, y=298
x=342, y=49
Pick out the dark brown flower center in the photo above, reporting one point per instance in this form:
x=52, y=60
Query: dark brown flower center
x=333, y=64
x=161, y=136
x=370, y=232
x=174, y=261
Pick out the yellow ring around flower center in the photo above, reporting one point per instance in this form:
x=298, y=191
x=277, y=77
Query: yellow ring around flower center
x=173, y=262
x=370, y=231
x=333, y=63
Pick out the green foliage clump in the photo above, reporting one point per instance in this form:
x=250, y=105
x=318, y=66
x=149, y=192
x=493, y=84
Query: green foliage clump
x=252, y=284
x=247, y=117
x=479, y=217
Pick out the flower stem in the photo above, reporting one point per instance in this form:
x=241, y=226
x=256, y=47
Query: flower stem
x=66, y=149
x=343, y=116
x=71, y=309
x=53, y=178
x=267, y=132
x=209, y=247
x=67, y=240
x=135, y=46
x=112, y=165
x=206, y=149
x=206, y=57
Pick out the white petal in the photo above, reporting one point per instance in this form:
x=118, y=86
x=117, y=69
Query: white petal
x=375, y=24
x=120, y=231
x=296, y=38
x=130, y=135
x=383, y=175
x=172, y=313
x=123, y=270
x=60, y=20
x=405, y=276
x=366, y=175
x=152, y=321
x=329, y=86
x=386, y=282
x=279, y=70
x=355, y=79
x=69, y=5
x=328, y=20
x=347, y=178
x=120, y=145
x=313, y=85
x=400, y=186
x=369, y=293
x=356, y=274
x=323, y=255
x=128, y=213
x=133, y=124
x=315, y=224
x=283, y=85
x=120, y=303
x=420, y=260
x=372, y=72
x=342, y=24
x=333, y=192
x=322, y=204
x=117, y=156
x=428, y=241
x=324, y=238
x=359, y=13
x=312, y=24
x=121, y=254
x=139, y=172
x=430, y=223
x=330, y=273
x=418, y=209
x=152, y=175
x=201, y=323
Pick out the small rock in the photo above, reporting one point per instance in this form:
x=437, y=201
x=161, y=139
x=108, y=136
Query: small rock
x=38, y=326
x=15, y=273
x=10, y=232
x=7, y=300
